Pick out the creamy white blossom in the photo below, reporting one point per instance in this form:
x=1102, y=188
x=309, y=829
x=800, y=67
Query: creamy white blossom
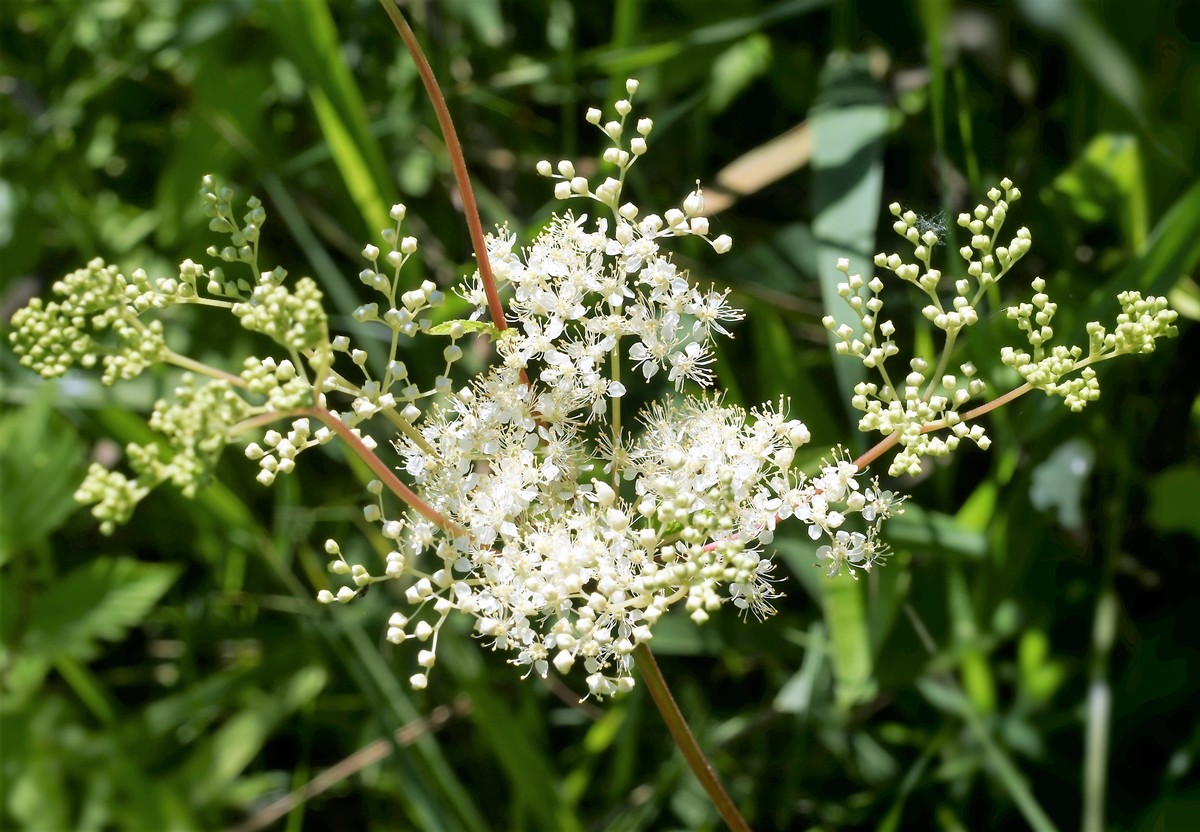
x=571, y=534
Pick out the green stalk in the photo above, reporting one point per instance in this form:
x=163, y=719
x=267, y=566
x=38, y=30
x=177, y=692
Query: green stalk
x=616, y=419
x=682, y=734
x=192, y=365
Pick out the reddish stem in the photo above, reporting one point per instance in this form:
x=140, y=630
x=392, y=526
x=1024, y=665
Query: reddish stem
x=682, y=734
x=381, y=470
x=458, y=162
x=888, y=441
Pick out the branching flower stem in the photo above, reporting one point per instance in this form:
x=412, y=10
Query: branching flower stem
x=381, y=470
x=888, y=442
x=192, y=365
x=645, y=659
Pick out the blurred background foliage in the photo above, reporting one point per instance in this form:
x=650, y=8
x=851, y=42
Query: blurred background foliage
x=1026, y=660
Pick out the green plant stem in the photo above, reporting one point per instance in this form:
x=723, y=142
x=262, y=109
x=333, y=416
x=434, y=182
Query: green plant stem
x=616, y=419
x=682, y=734
x=943, y=361
x=458, y=162
x=191, y=364
x=1096, y=743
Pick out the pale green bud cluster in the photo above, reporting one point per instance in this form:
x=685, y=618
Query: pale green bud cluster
x=1140, y=323
x=196, y=425
x=927, y=398
x=94, y=321
x=102, y=317
x=243, y=239
x=294, y=317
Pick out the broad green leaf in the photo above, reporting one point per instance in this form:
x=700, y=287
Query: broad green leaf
x=99, y=601
x=849, y=124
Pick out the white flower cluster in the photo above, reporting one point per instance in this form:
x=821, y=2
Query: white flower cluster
x=566, y=535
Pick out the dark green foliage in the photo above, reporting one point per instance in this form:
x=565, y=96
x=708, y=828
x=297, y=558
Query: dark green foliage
x=179, y=675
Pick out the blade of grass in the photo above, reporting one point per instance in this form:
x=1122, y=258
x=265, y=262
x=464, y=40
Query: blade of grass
x=948, y=697
x=849, y=123
x=1171, y=252
x=305, y=30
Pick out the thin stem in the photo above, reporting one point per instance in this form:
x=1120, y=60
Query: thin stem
x=677, y=725
x=381, y=470
x=889, y=441
x=203, y=369
x=1097, y=739
x=616, y=418
x=951, y=337
x=366, y=756
x=458, y=162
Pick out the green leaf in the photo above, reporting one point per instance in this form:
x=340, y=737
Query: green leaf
x=446, y=327
x=1100, y=54
x=849, y=123
x=216, y=764
x=920, y=528
x=307, y=32
x=40, y=467
x=1106, y=181
x=1172, y=250
x=737, y=67
x=1173, y=496
x=845, y=612
x=100, y=601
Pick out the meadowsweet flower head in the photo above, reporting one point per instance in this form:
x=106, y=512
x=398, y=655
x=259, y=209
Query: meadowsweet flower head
x=577, y=526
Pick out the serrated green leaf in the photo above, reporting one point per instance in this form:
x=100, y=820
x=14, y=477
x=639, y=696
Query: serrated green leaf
x=40, y=467
x=100, y=601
